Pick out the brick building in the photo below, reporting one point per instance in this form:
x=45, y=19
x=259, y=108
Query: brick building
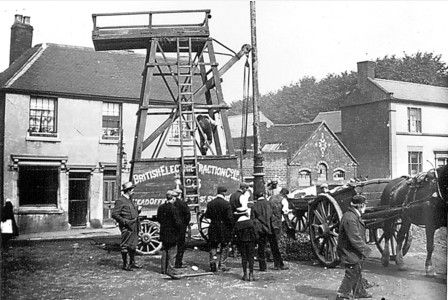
x=394, y=128
x=303, y=155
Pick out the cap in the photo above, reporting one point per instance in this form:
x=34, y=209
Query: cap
x=221, y=189
x=177, y=192
x=358, y=199
x=284, y=191
x=324, y=185
x=127, y=186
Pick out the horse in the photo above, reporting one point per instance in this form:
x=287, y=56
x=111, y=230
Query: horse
x=424, y=201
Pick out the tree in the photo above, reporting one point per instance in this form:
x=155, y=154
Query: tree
x=302, y=101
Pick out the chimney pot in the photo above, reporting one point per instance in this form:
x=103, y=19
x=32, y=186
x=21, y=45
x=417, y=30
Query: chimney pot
x=26, y=20
x=366, y=69
x=18, y=18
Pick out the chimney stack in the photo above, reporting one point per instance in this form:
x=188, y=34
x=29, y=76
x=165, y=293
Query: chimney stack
x=21, y=37
x=366, y=69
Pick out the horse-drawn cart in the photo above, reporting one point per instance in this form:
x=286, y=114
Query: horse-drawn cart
x=321, y=215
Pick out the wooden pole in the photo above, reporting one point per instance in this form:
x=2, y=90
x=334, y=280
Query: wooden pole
x=258, y=158
x=119, y=158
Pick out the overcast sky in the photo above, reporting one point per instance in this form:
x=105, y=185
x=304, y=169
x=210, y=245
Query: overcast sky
x=295, y=38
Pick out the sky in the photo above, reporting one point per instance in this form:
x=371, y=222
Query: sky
x=294, y=38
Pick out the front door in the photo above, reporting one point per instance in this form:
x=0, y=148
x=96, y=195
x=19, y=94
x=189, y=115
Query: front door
x=109, y=195
x=78, y=196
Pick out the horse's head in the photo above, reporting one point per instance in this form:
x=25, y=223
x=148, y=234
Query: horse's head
x=442, y=182
x=436, y=181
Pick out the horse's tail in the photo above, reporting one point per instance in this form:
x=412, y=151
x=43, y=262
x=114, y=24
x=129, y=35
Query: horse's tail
x=391, y=189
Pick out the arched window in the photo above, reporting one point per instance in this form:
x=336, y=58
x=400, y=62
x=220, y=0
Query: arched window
x=338, y=175
x=322, y=172
x=304, y=178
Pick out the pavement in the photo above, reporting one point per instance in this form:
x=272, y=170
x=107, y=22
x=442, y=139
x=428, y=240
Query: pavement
x=71, y=234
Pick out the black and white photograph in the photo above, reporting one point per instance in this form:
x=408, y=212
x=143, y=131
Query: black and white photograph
x=223, y=149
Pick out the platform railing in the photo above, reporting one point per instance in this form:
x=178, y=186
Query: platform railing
x=151, y=14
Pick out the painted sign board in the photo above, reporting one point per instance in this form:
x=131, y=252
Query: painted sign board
x=154, y=177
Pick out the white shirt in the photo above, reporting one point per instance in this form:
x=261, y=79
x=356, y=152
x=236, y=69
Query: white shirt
x=244, y=200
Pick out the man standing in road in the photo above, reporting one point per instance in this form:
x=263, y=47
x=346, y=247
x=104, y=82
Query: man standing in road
x=126, y=214
x=353, y=249
x=170, y=228
x=235, y=197
x=220, y=230
x=184, y=213
x=262, y=211
x=280, y=211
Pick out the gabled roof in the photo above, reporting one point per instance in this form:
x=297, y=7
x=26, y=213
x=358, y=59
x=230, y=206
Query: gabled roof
x=290, y=136
x=331, y=118
x=409, y=91
x=236, y=122
x=83, y=73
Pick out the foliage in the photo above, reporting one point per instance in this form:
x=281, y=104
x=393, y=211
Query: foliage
x=302, y=101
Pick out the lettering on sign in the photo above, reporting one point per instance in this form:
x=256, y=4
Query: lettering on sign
x=165, y=170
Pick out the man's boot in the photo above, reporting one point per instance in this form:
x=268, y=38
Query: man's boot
x=126, y=266
x=262, y=264
x=213, y=267
x=251, y=276
x=245, y=278
x=132, y=263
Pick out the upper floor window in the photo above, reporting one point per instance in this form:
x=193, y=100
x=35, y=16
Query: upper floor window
x=338, y=175
x=42, y=120
x=304, y=178
x=322, y=172
x=414, y=119
x=441, y=158
x=111, y=120
x=415, y=162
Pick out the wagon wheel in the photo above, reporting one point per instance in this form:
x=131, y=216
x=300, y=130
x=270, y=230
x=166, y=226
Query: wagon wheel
x=324, y=218
x=203, y=225
x=378, y=237
x=149, y=238
x=300, y=223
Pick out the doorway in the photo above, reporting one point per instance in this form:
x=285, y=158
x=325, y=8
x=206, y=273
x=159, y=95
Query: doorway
x=78, y=198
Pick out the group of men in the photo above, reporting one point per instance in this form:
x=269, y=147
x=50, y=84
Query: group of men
x=246, y=220
x=174, y=217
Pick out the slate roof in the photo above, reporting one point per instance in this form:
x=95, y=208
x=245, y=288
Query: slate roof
x=291, y=136
x=331, y=118
x=236, y=122
x=409, y=91
x=82, y=72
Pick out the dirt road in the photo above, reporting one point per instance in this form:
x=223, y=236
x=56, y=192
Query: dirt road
x=89, y=269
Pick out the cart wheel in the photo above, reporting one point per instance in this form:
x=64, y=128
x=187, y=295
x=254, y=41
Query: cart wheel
x=203, y=224
x=378, y=237
x=300, y=223
x=149, y=238
x=324, y=217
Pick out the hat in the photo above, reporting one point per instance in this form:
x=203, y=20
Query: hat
x=284, y=191
x=244, y=185
x=177, y=191
x=324, y=185
x=171, y=193
x=221, y=189
x=358, y=199
x=127, y=186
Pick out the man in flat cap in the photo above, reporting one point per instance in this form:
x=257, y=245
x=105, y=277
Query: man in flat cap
x=220, y=230
x=185, y=216
x=126, y=214
x=170, y=229
x=353, y=249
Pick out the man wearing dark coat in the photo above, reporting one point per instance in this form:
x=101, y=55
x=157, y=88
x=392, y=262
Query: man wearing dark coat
x=353, y=249
x=184, y=213
x=126, y=214
x=170, y=228
x=262, y=211
x=220, y=230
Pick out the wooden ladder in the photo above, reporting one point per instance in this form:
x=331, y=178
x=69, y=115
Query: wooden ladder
x=189, y=173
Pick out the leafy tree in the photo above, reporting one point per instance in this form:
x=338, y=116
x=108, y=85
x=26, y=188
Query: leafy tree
x=302, y=101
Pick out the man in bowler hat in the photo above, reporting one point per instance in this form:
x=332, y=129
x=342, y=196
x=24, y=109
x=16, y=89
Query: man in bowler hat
x=220, y=230
x=353, y=249
x=126, y=214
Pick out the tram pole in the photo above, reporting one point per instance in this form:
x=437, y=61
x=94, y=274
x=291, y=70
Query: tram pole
x=258, y=158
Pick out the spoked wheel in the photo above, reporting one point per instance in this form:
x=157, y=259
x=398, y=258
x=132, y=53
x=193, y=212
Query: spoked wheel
x=379, y=238
x=300, y=223
x=324, y=217
x=149, y=238
x=203, y=224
